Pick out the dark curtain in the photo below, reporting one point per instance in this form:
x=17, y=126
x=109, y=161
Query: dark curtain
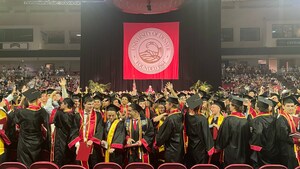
x=199, y=44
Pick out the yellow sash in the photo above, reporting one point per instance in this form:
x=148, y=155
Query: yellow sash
x=110, y=136
x=220, y=120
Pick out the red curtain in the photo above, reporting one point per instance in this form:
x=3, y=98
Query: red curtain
x=151, y=50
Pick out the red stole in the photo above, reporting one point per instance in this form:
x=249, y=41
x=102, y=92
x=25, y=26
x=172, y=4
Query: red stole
x=90, y=127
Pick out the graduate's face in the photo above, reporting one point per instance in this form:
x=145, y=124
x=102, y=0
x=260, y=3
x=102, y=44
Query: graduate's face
x=161, y=109
x=124, y=101
x=106, y=102
x=111, y=115
x=88, y=106
x=131, y=112
x=142, y=104
x=116, y=103
x=168, y=105
x=290, y=108
x=97, y=104
x=44, y=97
x=76, y=102
x=215, y=109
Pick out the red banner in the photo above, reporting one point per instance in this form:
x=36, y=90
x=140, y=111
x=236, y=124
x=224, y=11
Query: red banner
x=151, y=50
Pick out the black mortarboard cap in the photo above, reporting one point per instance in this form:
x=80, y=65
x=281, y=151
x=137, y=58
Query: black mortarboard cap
x=142, y=99
x=161, y=100
x=112, y=107
x=97, y=97
x=289, y=99
x=69, y=101
x=136, y=107
x=220, y=104
x=265, y=101
x=181, y=94
x=206, y=97
x=50, y=91
x=173, y=100
x=194, y=101
x=275, y=94
x=32, y=94
x=237, y=101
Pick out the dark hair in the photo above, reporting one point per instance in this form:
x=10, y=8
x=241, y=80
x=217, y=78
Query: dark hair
x=238, y=108
x=262, y=107
x=88, y=99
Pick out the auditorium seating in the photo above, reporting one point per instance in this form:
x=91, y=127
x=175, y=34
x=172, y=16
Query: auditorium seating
x=239, y=166
x=72, y=167
x=273, y=166
x=172, y=166
x=139, y=166
x=106, y=165
x=43, y=165
x=204, y=166
x=12, y=165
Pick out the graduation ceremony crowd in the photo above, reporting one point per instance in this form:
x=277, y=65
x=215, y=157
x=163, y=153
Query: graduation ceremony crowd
x=255, y=122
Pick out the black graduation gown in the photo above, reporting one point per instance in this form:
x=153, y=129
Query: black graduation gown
x=13, y=136
x=147, y=140
x=233, y=137
x=170, y=135
x=95, y=134
x=263, y=140
x=32, y=137
x=117, y=143
x=200, y=141
x=287, y=155
x=63, y=122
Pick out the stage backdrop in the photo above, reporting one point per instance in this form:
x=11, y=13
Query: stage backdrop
x=104, y=42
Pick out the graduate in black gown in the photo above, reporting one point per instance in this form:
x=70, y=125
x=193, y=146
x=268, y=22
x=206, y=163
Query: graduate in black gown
x=139, y=132
x=200, y=141
x=170, y=134
x=34, y=129
x=284, y=127
x=263, y=140
x=234, y=134
x=114, y=136
x=87, y=128
x=64, y=117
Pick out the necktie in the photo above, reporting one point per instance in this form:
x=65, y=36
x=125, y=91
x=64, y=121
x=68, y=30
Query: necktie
x=134, y=124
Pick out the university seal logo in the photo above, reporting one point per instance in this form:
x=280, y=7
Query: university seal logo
x=150, y=50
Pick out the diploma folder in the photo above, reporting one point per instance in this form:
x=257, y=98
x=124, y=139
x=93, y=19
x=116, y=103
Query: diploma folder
x=84, y=152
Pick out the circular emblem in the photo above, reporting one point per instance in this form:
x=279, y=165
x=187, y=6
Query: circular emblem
x=151, y=50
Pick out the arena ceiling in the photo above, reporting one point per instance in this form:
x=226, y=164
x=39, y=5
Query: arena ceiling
x=134, y=6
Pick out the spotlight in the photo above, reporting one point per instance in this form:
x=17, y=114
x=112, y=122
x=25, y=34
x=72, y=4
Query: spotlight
x=149, y=7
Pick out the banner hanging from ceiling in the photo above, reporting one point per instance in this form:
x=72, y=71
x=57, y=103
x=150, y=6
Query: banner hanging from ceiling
x=151, y=51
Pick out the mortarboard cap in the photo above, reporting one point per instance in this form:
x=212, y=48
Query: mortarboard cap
x=112, y=107
x=289, y=99
x=32, y=94
x=161, y=101
x=136, y=107
x=194, y=101
x=173, y=100
x=50, y=91
x=264, y=101
x=275, y=94
x=181, y=94
x=97, y=97
x=237, y=101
